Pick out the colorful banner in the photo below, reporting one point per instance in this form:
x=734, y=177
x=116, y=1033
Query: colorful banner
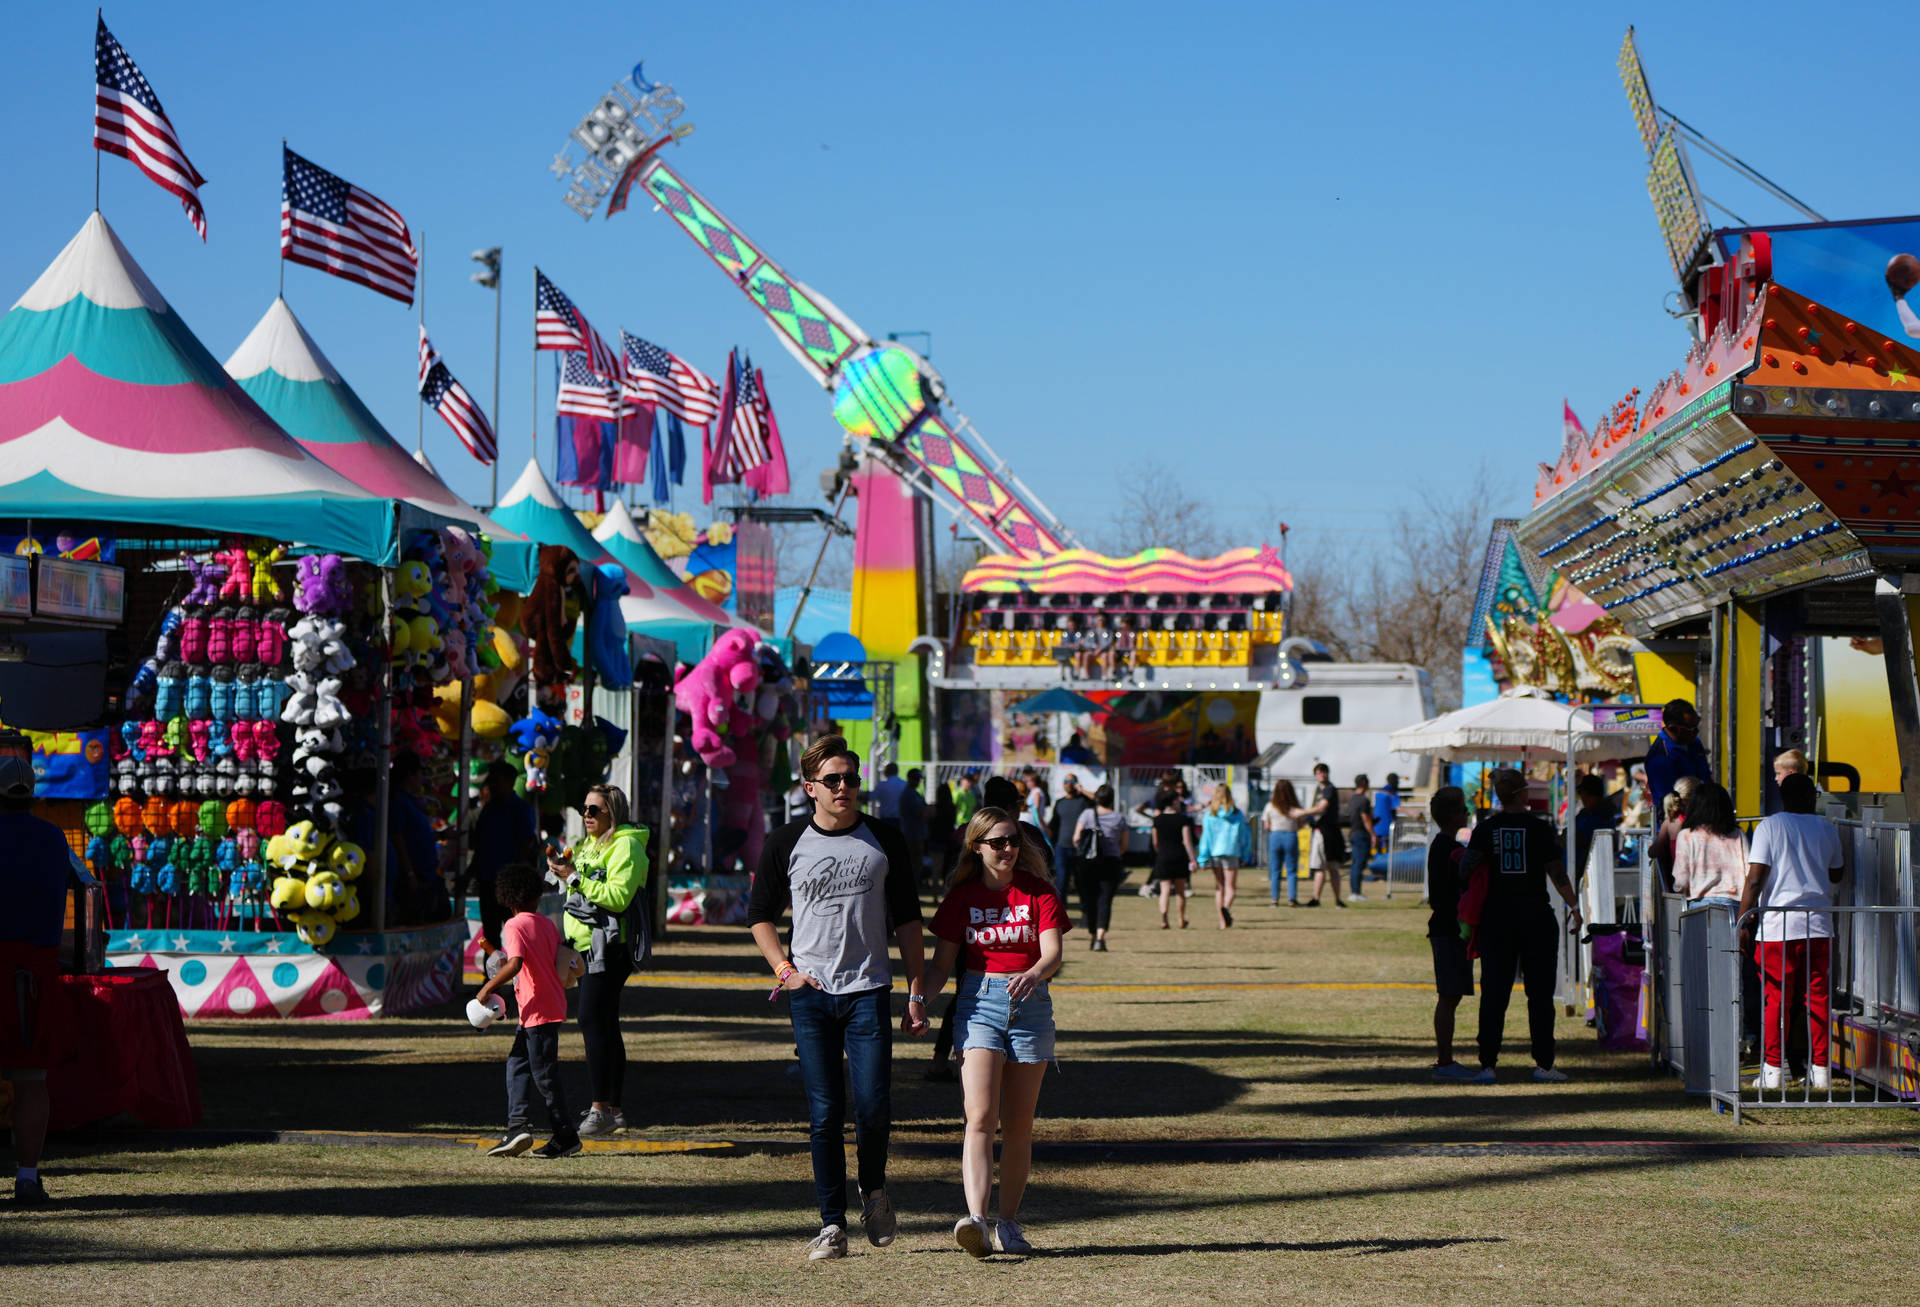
x=1866, y=271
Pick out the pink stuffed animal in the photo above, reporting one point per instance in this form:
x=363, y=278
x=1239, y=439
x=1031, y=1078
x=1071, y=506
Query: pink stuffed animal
x=706, y=694
x=239, y=582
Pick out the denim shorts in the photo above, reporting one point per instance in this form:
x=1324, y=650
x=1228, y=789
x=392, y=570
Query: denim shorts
x=1022, y=1032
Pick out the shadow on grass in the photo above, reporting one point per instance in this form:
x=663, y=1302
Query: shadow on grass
x=1354, y=1247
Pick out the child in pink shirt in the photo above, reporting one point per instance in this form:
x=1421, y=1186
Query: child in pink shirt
x=531, y=944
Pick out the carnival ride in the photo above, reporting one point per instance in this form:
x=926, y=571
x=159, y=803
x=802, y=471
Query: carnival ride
x=884, y=395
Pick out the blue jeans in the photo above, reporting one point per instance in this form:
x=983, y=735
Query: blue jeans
x=1066, y=866
x=1283, y=851
x=858, y=1026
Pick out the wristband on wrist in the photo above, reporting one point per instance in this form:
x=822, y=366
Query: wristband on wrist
x=921, y=999
x=785, y=969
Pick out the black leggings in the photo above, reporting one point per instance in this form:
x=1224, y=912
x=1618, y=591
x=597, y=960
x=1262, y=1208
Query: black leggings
x=1099, y=878
x=599, y=1017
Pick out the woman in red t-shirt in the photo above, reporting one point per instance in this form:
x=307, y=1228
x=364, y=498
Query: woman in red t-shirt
x=1002, y=908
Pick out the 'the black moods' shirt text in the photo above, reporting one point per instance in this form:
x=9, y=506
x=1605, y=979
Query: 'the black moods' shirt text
x=848, y=889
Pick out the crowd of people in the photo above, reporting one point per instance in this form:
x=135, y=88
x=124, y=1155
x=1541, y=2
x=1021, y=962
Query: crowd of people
x=847, y=871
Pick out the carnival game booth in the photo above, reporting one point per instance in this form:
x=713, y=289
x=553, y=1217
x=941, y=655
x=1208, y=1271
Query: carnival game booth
x=229, y=640
x=1752, y=524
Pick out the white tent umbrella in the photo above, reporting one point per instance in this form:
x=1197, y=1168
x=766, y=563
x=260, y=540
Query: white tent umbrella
x=1521, y=724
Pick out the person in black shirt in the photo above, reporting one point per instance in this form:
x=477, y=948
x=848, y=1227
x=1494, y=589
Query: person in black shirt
x=1325, y=812
x=1510, y=858
x=1452, y=968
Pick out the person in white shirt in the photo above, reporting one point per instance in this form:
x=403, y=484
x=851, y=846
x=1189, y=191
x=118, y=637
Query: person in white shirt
x=1795, y=861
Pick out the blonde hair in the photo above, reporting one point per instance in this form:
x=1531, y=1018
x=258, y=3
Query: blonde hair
x=1793, y=760
x=1222, y=800
x=970, y=866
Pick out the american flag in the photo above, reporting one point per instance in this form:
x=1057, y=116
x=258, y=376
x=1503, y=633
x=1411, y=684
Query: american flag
x=740, y=440
x=656, y=377
x=557, y=324
x=328, y=223
x=451, y=401
x=584, y=395
x=128, y=121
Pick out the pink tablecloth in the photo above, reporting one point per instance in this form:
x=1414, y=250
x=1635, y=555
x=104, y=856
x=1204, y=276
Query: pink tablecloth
x=125, y=1050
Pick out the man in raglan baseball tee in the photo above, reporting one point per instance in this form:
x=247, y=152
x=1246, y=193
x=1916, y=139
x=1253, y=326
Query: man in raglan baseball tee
x=850, y=884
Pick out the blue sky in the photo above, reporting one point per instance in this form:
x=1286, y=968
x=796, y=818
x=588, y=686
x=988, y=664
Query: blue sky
x=1315, y=257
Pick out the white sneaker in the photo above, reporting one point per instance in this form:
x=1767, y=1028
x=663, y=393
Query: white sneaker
x=829, y=1244
x=971, y=1233
x=1356, y=898
x=1770, y=1077
x=1819, y=1079
x=1012, y=1238
x=595, y=1123
x=1549, y=1075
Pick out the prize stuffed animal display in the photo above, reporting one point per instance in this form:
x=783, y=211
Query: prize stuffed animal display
x=549, y=615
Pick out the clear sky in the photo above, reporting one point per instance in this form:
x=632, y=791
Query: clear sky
x=1317, y=257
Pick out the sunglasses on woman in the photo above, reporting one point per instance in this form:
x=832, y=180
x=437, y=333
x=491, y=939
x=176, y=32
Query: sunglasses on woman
x=833, y=780
x=998, y=843
x=594, y=810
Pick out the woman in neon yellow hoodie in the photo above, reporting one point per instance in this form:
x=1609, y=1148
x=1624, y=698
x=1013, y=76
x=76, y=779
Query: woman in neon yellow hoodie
x=602, y=874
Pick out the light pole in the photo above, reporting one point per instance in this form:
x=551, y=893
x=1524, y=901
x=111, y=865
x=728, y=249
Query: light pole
x=489, y=276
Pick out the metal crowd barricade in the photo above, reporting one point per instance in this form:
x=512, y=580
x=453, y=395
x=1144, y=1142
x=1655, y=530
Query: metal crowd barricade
x=1851, y=998
x=1408, y=835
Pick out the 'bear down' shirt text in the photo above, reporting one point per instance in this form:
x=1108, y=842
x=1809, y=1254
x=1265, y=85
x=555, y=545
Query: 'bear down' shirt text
x=848, y=889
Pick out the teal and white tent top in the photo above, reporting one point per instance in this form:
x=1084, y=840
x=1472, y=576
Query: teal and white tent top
x=111, y=410
x=288, y=375
x=533, y=508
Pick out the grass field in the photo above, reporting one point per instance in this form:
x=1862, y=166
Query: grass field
x=1243, y=1112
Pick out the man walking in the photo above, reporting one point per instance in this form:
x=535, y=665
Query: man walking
x=847, y=880
x=913, y=822
x=33, y=885
x=1510, y=858
x=886, y=795
x=1061, y=823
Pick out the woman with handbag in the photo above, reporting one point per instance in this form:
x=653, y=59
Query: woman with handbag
x=1100, y=837
x=602, y=876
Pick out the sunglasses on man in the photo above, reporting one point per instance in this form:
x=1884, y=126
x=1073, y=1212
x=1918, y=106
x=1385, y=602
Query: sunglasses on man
x=833, y=780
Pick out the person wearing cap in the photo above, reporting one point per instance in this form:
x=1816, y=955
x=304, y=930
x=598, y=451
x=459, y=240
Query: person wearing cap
x=1505, y=911
x=33, y=885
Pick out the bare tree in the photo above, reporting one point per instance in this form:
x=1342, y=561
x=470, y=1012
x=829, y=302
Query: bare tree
x=1157, y=510
x=1410, y=599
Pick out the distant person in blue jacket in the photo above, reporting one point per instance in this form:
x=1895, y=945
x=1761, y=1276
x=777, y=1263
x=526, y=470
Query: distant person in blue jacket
x=1226, y=841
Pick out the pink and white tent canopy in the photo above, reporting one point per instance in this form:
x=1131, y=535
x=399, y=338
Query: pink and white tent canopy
x=112, y=410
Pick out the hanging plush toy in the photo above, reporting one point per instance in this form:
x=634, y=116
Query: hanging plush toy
x=533, y=739
x=239, y=583
x=265, y=586
x=544, y=617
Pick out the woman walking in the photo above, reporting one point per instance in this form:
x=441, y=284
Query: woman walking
x=1280, y=819
x=1226, y=841
x=601, y=875
x=1003, y=913
x=1173, y=856
x=1101, y=870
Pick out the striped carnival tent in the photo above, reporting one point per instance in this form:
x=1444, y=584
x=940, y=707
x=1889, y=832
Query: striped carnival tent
x=286, y=373
x=534, y=509
x=111, y=410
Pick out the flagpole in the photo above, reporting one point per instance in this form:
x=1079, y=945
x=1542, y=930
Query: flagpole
x=283, y=200
x=499, y=288
x=534, y=415
x=99, y=16
x=419, y=406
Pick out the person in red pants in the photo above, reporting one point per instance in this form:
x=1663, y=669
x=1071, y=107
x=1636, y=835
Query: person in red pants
x=1795, y=861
